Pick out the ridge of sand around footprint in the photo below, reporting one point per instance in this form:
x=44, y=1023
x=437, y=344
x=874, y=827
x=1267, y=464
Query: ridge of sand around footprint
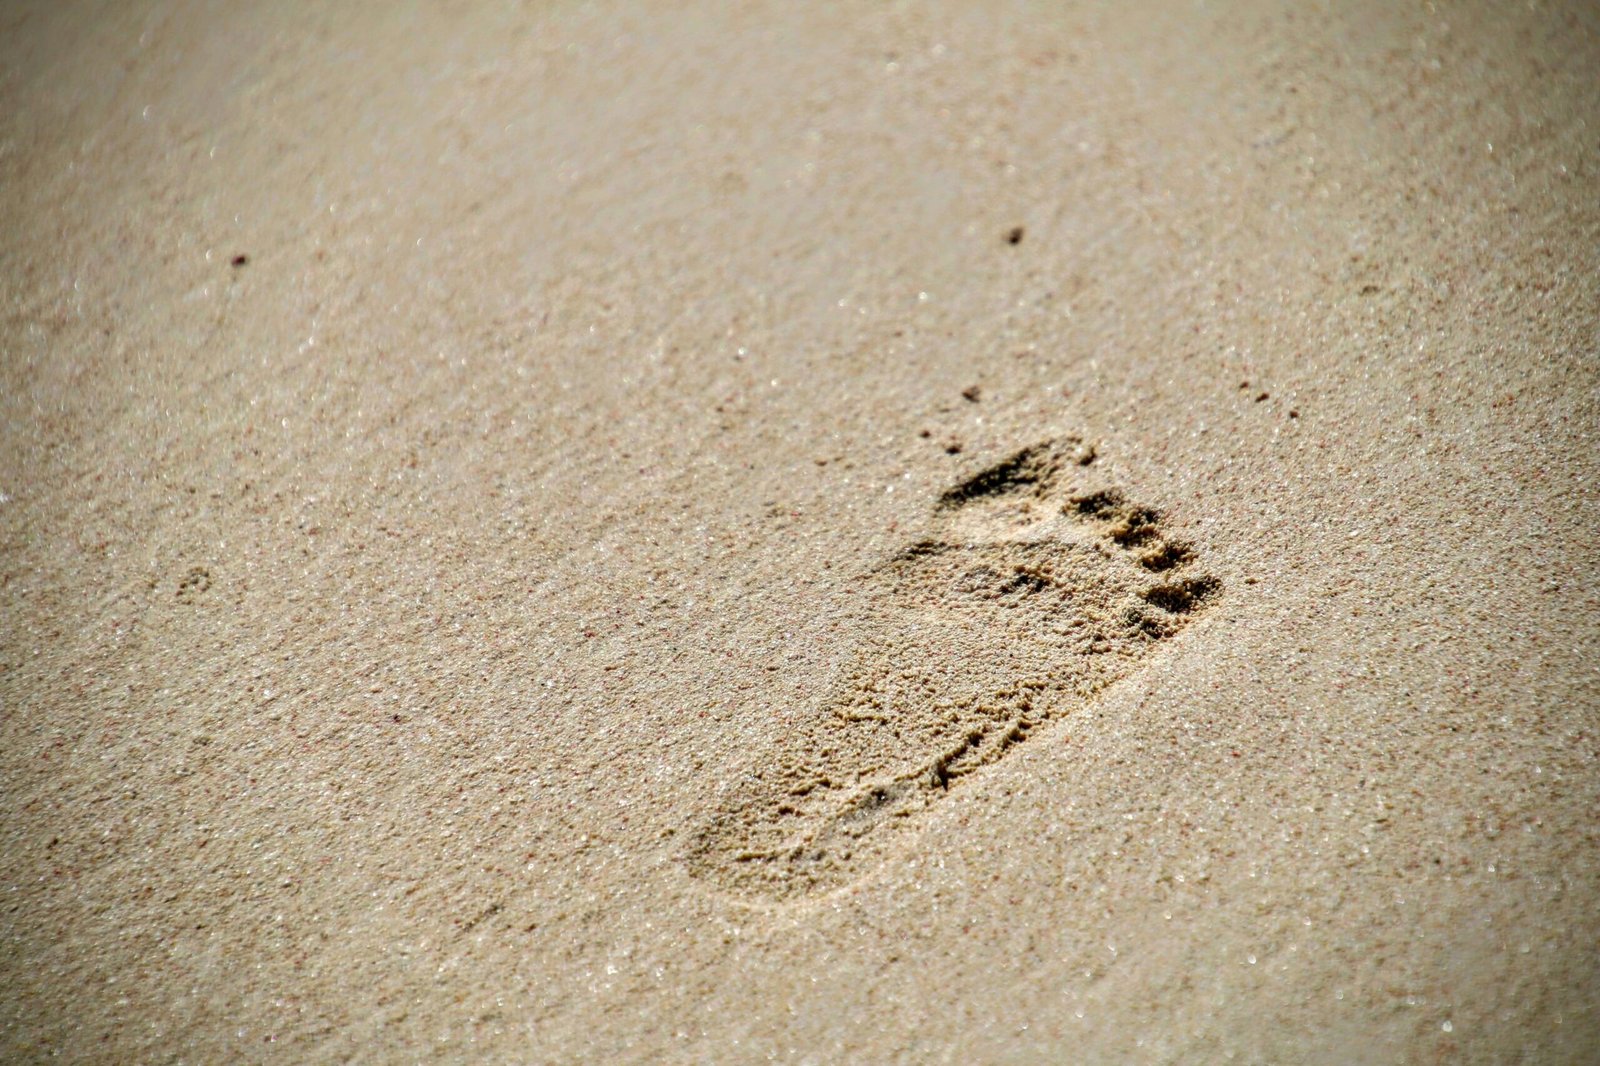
x=1036, y=589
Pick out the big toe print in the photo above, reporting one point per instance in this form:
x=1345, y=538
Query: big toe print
x=1036, y=590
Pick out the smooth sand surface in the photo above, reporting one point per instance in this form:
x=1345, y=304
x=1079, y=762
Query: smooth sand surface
x=1000, y=532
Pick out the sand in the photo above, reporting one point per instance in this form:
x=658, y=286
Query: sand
x=998, y=532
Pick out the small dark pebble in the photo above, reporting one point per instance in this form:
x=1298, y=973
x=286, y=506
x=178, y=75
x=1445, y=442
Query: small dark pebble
x=1261, y=397
x=953, y=448
x=971, y=393
x=925, y=433
x=1293, y=413
x=1015, y=236
x=240, y=260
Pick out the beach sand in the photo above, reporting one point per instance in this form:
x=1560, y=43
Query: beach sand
x=995, y=532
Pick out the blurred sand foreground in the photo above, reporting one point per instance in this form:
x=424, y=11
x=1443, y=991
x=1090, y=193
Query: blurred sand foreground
x=873, y=532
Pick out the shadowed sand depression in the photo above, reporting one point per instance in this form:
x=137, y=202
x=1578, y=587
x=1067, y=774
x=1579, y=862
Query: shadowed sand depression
x=1037, y=587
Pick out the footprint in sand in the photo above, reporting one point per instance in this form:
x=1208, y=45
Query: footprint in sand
x=1037, y=589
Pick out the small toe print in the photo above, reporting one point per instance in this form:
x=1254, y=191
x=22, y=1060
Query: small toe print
x=194, y=584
